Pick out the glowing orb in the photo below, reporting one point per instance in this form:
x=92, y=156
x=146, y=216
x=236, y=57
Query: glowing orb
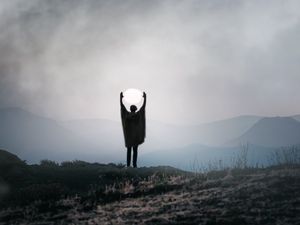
x=132, y=96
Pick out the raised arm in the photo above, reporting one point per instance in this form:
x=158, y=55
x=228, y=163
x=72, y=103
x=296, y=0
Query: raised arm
x=144, y=103
x=121, y=103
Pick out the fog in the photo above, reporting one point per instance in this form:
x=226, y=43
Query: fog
x=198, y=61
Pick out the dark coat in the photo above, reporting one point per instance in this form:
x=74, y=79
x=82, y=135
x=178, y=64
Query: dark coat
x=134, y=125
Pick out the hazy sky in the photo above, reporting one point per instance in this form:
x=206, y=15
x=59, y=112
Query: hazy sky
x=197, y=60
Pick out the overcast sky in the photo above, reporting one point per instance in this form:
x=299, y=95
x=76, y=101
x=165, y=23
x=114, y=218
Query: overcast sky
x=197, y=60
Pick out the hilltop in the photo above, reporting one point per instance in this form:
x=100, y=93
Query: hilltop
x=82, y=193
x=50, y=180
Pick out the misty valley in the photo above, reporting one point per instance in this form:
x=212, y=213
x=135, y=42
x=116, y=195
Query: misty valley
x=34, y=138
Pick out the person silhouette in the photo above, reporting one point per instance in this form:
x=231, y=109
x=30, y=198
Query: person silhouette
x=134, y=128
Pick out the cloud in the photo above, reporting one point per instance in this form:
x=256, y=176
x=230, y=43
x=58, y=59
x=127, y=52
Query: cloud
x=197, y=60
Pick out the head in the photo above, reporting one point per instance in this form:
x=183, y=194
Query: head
x=133, y=108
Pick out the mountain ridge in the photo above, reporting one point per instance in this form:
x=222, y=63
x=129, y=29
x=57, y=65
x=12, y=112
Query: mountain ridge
x=34, y=137
x=272, y=132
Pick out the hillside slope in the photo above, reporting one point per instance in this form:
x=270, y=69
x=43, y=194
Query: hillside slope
x=266, y=196
x=272, y=132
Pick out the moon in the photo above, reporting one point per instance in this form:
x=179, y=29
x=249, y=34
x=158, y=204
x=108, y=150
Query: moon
x=132, y=96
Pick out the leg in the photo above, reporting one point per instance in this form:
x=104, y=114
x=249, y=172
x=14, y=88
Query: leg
x=128, y=156
x=135, y=154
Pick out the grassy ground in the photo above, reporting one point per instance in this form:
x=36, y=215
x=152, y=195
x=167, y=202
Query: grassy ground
x=83, y=193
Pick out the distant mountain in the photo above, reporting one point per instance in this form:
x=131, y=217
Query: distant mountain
x=219, y=132
x=34, y=138
x=272, y=132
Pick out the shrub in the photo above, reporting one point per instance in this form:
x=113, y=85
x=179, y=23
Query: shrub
x=48, y=163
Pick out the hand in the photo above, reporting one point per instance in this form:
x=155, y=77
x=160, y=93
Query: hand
x=121, y=95
x=144, y=94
